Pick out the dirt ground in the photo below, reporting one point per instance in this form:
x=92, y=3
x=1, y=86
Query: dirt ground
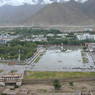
x=48, y=89
x=66, y=89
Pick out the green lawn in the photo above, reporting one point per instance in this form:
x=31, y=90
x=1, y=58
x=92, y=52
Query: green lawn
x=85, y=60
x=1, y=71
x=37, y=60
x=52, y=75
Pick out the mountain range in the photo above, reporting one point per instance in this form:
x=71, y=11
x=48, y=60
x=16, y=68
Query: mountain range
x=63, y=13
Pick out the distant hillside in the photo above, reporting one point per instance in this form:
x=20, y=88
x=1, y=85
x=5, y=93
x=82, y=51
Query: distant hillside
x=89, y=8
x=67, y=13
x=14, y=15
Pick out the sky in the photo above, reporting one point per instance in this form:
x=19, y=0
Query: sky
x=21, y=2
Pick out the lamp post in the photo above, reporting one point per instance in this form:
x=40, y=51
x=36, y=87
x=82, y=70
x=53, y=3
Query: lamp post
x=19, y=56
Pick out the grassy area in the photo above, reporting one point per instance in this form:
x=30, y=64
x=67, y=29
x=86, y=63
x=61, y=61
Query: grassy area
x=83, y=53
x=13, y=71
x=52, y=75
x=38, y=58
x=85, y=60
x=1, y=71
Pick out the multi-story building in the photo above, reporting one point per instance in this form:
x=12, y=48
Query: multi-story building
x=11, y=79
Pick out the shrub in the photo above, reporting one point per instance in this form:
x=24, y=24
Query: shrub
x=56, y=84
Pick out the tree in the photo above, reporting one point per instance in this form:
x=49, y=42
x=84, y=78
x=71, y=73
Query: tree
x=71, y=83
x=56, y=84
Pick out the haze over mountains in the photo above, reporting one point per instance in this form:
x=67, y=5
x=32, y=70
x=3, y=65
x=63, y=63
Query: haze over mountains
x=66, y=13
x=21, y=2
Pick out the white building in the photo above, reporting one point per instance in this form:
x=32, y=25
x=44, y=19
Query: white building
x=85, y=36
x=50, y=35
x=4, y=38
x=11, y=79
x=39, y=39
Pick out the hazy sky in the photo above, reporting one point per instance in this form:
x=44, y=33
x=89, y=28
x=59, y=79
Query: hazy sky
x=20, y=2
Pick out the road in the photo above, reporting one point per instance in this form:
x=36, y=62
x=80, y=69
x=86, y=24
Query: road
x=63, y=28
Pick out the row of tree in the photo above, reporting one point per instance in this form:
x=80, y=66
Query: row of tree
x=65, y=41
